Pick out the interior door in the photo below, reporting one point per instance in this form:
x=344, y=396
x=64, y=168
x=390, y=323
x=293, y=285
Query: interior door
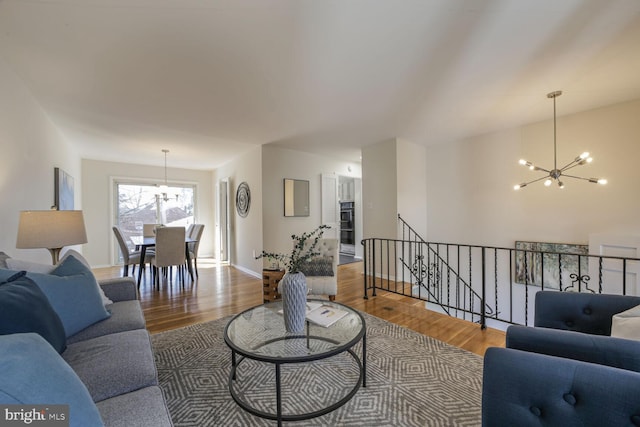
x=612, y=270
x=330, y=214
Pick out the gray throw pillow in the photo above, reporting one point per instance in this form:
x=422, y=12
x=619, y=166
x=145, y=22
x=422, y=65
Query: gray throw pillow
x=30, y=266
x=318, y=266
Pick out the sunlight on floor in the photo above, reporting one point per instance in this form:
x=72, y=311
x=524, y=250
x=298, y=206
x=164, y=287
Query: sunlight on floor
x=210, y=263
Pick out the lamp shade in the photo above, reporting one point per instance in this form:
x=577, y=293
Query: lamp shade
x=50, y=229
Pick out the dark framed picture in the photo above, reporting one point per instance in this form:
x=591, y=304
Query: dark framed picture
x=63, y=190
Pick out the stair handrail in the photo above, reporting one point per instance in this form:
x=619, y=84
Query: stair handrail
x=459, y=279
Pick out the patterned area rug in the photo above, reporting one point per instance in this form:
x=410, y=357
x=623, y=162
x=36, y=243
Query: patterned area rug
x=412, y=380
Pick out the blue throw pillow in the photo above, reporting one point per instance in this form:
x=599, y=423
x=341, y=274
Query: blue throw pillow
x=74, y=298
x=24, y=308
x=34, y=374
x=70, y=266
x=80, y=300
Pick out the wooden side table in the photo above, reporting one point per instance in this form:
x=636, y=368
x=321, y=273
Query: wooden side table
x=270, y=280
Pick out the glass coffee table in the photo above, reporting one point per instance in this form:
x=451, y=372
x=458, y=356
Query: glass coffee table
x=259, y=334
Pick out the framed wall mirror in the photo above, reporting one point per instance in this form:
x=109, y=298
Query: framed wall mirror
x=296, y=197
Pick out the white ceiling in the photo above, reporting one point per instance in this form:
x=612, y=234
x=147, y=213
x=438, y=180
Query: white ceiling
x=209, y=79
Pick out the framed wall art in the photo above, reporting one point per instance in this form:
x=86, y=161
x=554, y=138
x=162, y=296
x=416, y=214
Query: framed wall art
x=63, y=190
x=552, y=266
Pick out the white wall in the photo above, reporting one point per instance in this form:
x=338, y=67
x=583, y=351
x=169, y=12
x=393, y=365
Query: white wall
x=379, y=186
x=31, y=147
x=246, y=233
x=470, y=183
x=412, y=185
x=97, y=194
x=394, y=182
x=279, y=163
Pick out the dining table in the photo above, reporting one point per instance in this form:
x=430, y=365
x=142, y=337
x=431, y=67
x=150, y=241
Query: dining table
x=144, y=242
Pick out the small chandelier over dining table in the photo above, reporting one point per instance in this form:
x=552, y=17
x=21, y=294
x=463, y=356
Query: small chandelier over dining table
x=163, y=190
x=556, y=174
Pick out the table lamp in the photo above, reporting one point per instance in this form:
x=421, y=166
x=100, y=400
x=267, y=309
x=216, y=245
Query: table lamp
x=51, y=230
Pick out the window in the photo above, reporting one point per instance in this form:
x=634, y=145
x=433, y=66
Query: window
x=140, y=203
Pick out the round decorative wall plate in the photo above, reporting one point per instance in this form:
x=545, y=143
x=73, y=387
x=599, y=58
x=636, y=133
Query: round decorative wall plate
x=243, y=199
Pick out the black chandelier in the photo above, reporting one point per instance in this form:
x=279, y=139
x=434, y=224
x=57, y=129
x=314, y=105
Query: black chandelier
x=556, y=173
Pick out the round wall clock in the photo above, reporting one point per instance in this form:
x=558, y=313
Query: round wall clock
x=243, y=199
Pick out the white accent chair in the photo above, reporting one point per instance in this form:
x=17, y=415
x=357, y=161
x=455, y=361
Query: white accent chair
x=324, y=284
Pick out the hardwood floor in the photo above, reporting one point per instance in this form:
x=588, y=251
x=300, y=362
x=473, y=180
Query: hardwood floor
x=222, y=290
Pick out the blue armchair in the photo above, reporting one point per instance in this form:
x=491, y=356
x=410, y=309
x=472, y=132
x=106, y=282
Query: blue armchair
x=565, y=371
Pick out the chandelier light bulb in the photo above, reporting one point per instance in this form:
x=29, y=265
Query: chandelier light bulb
x=560, y=184
x=547, y=183
x=530, y=165
x=584, y=155
x=602, y=181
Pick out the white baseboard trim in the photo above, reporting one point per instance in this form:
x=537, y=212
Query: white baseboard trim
x=106, y=266
x=247, y=271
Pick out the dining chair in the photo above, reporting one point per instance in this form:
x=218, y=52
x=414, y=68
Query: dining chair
x=169, y=252
x=148, y=230
x=196, y=234
x=129, y=257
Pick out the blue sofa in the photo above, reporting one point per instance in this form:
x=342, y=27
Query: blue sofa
x=566, y=370
x=106, y=372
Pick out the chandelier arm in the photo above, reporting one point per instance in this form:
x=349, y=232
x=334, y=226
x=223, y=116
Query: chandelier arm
x=535, y=180
x=570, y=165
x=538, y=168
x=577, y=177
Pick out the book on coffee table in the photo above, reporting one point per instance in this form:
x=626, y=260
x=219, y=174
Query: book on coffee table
x=322, y=315
x=325, y=315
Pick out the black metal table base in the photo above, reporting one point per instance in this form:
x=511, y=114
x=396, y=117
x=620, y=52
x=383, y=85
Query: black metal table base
x=279, y=416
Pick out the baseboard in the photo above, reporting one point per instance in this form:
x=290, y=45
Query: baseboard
x=247, y=271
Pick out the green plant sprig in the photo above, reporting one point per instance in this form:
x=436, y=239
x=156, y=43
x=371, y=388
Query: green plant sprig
x=299, y=255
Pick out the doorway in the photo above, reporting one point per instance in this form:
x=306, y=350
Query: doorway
x=224, y=226
x=350, y=199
